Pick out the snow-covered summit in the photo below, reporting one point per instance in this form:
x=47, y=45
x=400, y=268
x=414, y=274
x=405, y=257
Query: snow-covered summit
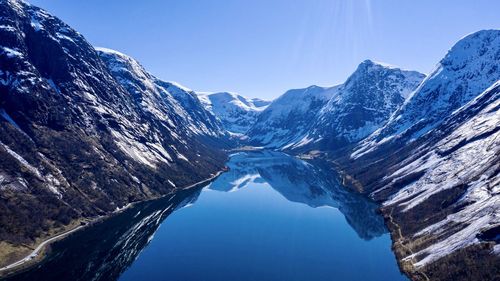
x=236, y=112
x=411, y=78
x=168, y=101
x=288, y=118
x=468, y=68
x=336, y=115
x=363, y=103
x=111, y=52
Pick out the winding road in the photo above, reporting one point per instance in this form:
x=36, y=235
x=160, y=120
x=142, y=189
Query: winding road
x=37, y=250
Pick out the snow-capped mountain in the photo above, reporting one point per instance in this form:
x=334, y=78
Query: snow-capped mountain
x=168, y=101
x=332, y=117
x=361, y=105
x=440, y=193
x=455, y=186
x=236, y=112
x=434, y=166
x=85, y=132
x=288, y=118
x=471, y=66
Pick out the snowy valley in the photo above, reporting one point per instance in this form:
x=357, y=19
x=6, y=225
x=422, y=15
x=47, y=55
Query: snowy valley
x=237, y=113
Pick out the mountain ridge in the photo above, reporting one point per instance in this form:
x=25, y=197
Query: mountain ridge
x=316, y=117
x=438, y=183
x=76, y=144
x=470, y=61
x=236, y=112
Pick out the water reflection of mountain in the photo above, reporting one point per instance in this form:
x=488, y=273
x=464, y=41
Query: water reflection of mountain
x=104, y=250
x=302, y=182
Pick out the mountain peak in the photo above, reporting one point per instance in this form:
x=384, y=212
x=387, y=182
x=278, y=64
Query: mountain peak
x=369, y=62
x=376, y=65
x=477, y=44
x=110, y=52
x=468, y=68
x=344, y=113
x=369, y=70
x=484, y=34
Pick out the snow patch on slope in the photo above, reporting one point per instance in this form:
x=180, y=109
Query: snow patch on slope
x=469, y=155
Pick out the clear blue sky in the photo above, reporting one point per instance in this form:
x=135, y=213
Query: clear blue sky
x=260, y=48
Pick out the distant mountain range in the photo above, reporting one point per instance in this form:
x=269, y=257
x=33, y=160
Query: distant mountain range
x=236, y=112
x=317, y=117
x=86, y=131
x=426, y=148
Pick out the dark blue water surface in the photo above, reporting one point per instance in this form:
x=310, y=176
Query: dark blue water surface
x=271, y=217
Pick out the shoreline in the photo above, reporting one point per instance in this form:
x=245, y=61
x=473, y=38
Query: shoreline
x=31, y=256
x=352, y=184
x=38, y=254
x=398, y=246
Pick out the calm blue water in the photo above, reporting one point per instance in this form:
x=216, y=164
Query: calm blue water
x=272, y=217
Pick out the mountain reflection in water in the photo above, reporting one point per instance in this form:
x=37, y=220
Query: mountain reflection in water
x=302, y=182
x=105, y=250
